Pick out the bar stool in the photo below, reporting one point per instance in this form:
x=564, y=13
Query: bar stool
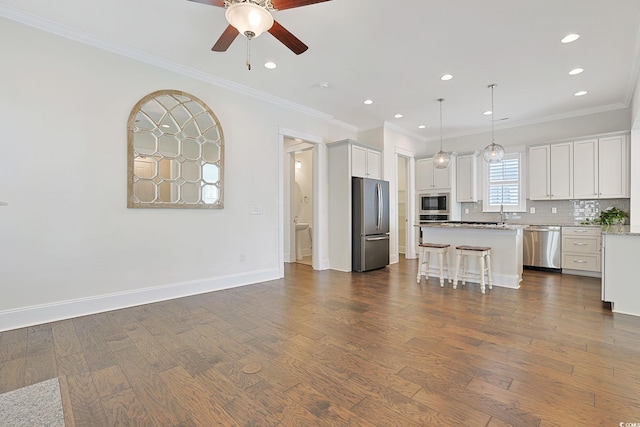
x=426, y=249
x=484, y=256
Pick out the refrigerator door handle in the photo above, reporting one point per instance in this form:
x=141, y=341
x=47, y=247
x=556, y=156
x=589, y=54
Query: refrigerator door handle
x=368, y=239
x=380, y=206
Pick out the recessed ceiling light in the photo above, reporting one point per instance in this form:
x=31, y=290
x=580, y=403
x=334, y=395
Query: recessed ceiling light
x=570, y=38
x=581, y=93
x=398, y=116
x=575, y=71
x=421, y=126
x=270, y=65
x=488, y=113
x=446, y=77
x=323, y=85
x=368, y=102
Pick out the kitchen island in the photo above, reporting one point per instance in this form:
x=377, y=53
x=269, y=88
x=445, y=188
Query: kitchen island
x=505, y=241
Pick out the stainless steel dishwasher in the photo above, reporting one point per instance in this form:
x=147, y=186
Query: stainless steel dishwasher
x=542, y=246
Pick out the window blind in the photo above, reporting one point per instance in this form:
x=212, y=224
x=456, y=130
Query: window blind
x=504, y=185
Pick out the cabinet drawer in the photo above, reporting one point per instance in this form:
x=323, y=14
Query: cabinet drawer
x=580, y=231
x=581, y=262
x=580, y=244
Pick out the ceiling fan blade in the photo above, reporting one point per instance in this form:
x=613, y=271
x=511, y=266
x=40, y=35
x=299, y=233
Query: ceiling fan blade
x=219, y=3
x=225, y=40
x=287, y=39
x=290, y=4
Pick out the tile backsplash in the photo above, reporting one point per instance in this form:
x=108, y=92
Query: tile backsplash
x=567, y=211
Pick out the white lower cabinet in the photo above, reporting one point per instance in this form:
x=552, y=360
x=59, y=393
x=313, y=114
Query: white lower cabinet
x=581, y=250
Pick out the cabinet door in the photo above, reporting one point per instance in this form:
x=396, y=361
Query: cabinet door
x=466, y=179
x=424, y=174
x=539, y=172
x=561, y=171
x=358, y=161
x=373, y=164
x=585, y=169
x=613, y=173
x=441, y=178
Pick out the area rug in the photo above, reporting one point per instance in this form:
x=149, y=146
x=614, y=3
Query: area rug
x=35, y=405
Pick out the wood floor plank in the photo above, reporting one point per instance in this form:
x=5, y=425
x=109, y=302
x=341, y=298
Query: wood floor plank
x=409, y=408
x=204, y=409
x=12, y=374
x=123, y=408
x=85, y=401
x=40, y=355
x=65, y=339
x=370, y=349
x=281, y=406
x=109, y=381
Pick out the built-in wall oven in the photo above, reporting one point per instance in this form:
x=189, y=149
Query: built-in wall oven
x=433, y=207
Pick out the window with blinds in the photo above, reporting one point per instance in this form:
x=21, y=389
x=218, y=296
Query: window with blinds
x=504, y=185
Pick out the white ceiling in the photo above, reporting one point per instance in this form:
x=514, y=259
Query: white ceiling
x=393, y=52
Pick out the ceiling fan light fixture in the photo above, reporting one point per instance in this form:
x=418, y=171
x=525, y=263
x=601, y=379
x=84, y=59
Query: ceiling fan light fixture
x=249, y=19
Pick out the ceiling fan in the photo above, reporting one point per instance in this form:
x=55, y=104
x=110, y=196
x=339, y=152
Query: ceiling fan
x=253, y=17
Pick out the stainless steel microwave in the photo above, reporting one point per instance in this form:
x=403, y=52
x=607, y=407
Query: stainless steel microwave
x=434, y=203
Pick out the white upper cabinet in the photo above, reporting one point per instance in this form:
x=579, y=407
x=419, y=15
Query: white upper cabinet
x=561, y=178
x=551, y=171
x=613, y=167
x=365, y=162
x=585, y=174
x=601, y=168
x=430, y=178
x=539, y=173
x=467, y=178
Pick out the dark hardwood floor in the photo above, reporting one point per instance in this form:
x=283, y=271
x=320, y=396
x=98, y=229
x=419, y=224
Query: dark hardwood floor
x=372, y=349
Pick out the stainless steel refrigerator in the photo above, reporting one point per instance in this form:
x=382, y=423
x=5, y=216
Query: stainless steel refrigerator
x=370, y=224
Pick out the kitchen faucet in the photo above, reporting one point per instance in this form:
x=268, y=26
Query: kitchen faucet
x=501, y=214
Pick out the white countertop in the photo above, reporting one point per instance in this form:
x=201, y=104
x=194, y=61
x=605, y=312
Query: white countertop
x=503, y=226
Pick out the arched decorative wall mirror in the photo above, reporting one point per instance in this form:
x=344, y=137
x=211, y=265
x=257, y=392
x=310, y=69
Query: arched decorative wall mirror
x=175, y=153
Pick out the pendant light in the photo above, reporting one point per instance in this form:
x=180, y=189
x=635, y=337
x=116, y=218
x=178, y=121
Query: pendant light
x=493, y=153
x=441, y=159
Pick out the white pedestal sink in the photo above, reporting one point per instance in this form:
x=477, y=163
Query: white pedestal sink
x=300, y=226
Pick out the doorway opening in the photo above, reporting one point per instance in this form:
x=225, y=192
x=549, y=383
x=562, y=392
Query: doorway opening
x=302, y=205
x=403, y=204
x=299, y=201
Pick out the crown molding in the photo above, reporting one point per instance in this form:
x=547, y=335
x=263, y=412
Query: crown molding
x=537, y=120
x=97, y=42
x=394, y=127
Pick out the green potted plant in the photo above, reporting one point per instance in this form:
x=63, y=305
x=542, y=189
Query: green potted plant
x=611, y=216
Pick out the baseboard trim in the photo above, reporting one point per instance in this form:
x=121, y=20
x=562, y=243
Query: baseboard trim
x=45, y=313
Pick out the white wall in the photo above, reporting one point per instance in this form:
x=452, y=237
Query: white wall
x=635, y=156
x=68, y=244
